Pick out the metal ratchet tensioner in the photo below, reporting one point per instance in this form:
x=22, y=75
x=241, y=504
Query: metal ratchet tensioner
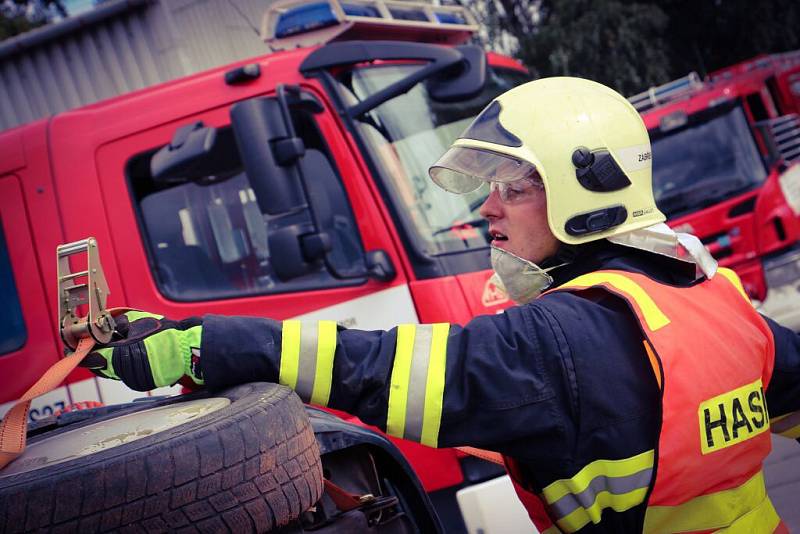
x=91, y=289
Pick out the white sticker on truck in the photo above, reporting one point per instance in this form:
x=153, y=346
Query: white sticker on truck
x=377, y=311
x=42, y=406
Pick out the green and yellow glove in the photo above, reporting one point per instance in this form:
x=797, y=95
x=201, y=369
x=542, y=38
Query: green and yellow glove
x=149, y=351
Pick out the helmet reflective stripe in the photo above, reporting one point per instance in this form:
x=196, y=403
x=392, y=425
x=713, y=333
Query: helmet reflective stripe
x=554, y=118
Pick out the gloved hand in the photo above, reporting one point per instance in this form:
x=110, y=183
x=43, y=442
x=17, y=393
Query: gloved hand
x=149, y=351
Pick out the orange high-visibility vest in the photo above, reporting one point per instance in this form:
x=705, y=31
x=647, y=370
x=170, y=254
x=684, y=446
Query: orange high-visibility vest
x=713, y=356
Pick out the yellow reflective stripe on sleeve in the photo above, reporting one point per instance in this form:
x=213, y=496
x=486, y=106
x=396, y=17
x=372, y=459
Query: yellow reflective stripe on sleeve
x=617, y=484
x=434, y=391
x=307, y=354
x=290, y=354
x=734, y=279
x=786, y=425
x=552, y=530
x=653, y=315
x=732, y=510
x=416, y=390
x=398, y=385
x=326, y=349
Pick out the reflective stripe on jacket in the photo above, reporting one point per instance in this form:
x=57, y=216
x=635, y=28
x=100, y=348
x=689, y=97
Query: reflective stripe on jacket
x=416, y=387
x=713, y=357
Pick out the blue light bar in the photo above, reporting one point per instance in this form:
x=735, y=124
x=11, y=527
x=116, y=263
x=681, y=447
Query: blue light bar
x=408, y=14
x=356, y=10
x=311, y=17
x=450, y=18
x=291, y=24
x=304, y=19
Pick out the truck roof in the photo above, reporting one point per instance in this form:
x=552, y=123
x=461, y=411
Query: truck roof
x=691, y=94
x=709, y=95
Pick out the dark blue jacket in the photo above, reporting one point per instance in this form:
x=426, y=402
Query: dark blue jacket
x=556, y=384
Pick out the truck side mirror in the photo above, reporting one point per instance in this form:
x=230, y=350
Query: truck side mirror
x=332, y=239
x=314, y=224
x=269, y=152
x=464, y=80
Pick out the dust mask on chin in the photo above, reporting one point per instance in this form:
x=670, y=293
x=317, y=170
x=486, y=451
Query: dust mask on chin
x=522, y=280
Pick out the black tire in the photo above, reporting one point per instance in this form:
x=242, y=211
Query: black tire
x=251, y=466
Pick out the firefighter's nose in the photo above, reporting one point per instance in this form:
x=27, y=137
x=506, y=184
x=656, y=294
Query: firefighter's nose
x=491, y=208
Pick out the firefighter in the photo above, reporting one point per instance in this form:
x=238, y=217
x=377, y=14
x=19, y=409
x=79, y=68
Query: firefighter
x=631, y=388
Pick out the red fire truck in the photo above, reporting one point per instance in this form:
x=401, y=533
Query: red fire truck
x=290, y=185
x=725, y=153
x=295, y=185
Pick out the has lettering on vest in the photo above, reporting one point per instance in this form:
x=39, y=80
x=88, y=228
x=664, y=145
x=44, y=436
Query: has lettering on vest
x=732, y=417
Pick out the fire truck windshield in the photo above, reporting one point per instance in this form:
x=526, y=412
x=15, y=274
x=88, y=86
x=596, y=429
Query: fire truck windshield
x=406, y=135
x=710, y=158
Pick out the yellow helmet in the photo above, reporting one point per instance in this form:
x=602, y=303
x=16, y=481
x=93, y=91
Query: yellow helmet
x=587, y=142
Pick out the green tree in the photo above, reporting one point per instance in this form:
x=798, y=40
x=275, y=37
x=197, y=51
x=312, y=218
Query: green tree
x=19, y=16
x=631, y=45
x=706, y=35
x=613, y=42
x=13, y=25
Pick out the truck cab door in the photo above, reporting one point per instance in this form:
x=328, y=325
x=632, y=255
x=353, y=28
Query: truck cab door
x=205, y=245
x=27, y=341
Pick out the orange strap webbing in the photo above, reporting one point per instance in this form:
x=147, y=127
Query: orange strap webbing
x=489, y=456
x=343, y=499
x=14, y=427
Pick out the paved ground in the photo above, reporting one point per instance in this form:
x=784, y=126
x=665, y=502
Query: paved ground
x=782, y=471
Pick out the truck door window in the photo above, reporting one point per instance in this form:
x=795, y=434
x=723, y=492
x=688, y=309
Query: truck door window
x=12, y=327
x=208, y=239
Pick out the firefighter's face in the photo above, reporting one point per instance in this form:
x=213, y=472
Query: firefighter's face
x=517, y=215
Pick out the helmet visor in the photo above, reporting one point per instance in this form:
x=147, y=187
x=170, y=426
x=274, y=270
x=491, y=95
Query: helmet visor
x=462, y=170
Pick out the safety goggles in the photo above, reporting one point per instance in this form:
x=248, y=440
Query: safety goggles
x=517, y=191
x=463, y=169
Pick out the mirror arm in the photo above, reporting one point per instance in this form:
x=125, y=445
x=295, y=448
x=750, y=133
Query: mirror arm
x=402, y=86
x=380, y=266
x=283, y=100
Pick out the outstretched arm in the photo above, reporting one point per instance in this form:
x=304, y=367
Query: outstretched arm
x=496, y=379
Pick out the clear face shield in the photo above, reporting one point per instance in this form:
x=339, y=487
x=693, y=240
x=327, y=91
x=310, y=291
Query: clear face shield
x=462, y=170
